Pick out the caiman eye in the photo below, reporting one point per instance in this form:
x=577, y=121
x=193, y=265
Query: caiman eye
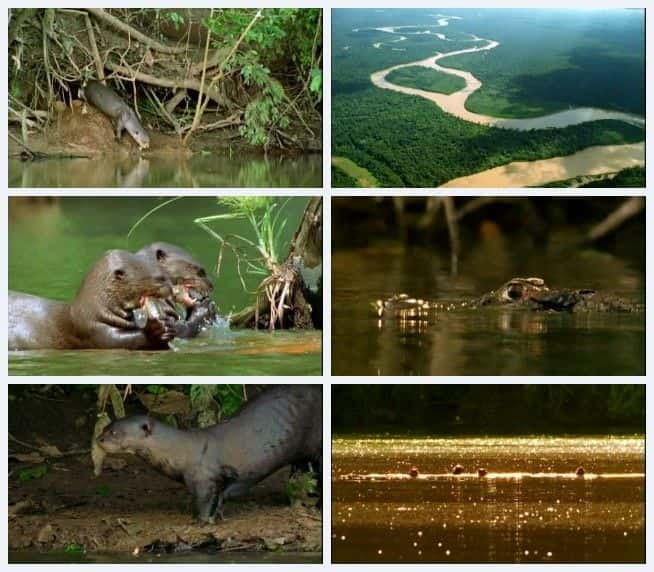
x=119, y=274
x=514, y=291
x=202, y=273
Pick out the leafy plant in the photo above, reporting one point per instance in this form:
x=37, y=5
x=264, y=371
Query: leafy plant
x=33, y=473
x=300, y=486
x=258, y=256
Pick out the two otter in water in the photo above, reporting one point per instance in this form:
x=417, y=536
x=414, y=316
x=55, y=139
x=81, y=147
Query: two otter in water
x=113, y=307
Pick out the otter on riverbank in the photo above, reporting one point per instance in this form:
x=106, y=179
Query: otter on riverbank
x=281, y=426
x=100, y=316
x=121, y=114
x=191, y=285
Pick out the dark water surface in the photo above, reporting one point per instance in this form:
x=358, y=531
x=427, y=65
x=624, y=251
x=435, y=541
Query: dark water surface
x=237, y=170
x=31, y=556
x=483, y=341
x=531, y=507
x=52, y=245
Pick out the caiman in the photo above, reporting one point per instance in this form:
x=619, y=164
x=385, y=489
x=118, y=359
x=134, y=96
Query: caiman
x=526, y=293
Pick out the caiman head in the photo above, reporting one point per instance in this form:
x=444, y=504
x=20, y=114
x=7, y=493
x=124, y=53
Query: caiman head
x=515, y=291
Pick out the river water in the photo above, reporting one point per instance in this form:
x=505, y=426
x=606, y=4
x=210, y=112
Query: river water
x=530, y=507
x=591, y=161
x=587, y=162
x=238, y=170
x=493, y=341
x=52, y=244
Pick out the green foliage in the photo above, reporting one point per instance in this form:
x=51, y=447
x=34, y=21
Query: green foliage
x=74, y=548
x=407, y=141
x=280, y=33
x=175, y=18
x=426, y=78
x=231, y=398
x=156, y=389
x=300, y=486
x=342, y=180
x=263, y=213
x=33, y=473
x=203, y=397
x=633, y=178
x=103, y=490
x=315, y=85
x=265, y=114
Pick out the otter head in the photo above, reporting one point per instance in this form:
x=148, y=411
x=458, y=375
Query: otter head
x=140, y=136
x=190, y=282
x=515, y=291
x=126, y=435
x=122, y=281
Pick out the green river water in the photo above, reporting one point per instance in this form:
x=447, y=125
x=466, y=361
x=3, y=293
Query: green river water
x=211, y=170
x=53, y=244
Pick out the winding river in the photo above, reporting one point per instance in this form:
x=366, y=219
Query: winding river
x=590, y=161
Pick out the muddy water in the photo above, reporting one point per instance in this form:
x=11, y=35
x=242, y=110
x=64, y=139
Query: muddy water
x=590, y=161
x=238, y=170
x=529, y=508
x=52, y=244
x=496, y=341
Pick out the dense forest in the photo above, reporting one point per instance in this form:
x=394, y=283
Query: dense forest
x=548, y=60
x=425, y=78
x=409, y=142
x=406, y=141
x=490, y=409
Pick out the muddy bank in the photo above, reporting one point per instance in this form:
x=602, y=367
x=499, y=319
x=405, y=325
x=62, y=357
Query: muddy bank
x=130, y=507
x=81, y=130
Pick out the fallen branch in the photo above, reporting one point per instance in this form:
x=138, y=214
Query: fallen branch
x=131, y=32
x=193, y=84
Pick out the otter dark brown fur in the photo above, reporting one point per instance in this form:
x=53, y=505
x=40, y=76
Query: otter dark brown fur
x=281, y=426
x=100, y=316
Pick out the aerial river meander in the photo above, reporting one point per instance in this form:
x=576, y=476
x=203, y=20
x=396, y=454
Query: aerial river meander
x=591, y=161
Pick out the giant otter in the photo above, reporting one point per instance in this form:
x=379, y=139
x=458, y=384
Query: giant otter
x=100, y=316
x=281, y=426
x=123, y=116
x=191, y=285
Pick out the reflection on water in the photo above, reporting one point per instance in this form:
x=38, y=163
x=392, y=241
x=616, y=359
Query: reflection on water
x=530, y=507
x=238, y=170
x=482, y=341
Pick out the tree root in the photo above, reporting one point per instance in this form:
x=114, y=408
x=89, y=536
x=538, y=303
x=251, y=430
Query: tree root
x=131, y=32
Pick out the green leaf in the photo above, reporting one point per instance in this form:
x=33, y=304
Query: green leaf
x=33, y=473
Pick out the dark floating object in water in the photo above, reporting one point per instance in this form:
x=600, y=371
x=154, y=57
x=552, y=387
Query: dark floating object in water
x=457, y=470
x=482, y=472
x=414, y=472
x=580, y=472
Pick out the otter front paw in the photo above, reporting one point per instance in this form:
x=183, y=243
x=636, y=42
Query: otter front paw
x=160, y=330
